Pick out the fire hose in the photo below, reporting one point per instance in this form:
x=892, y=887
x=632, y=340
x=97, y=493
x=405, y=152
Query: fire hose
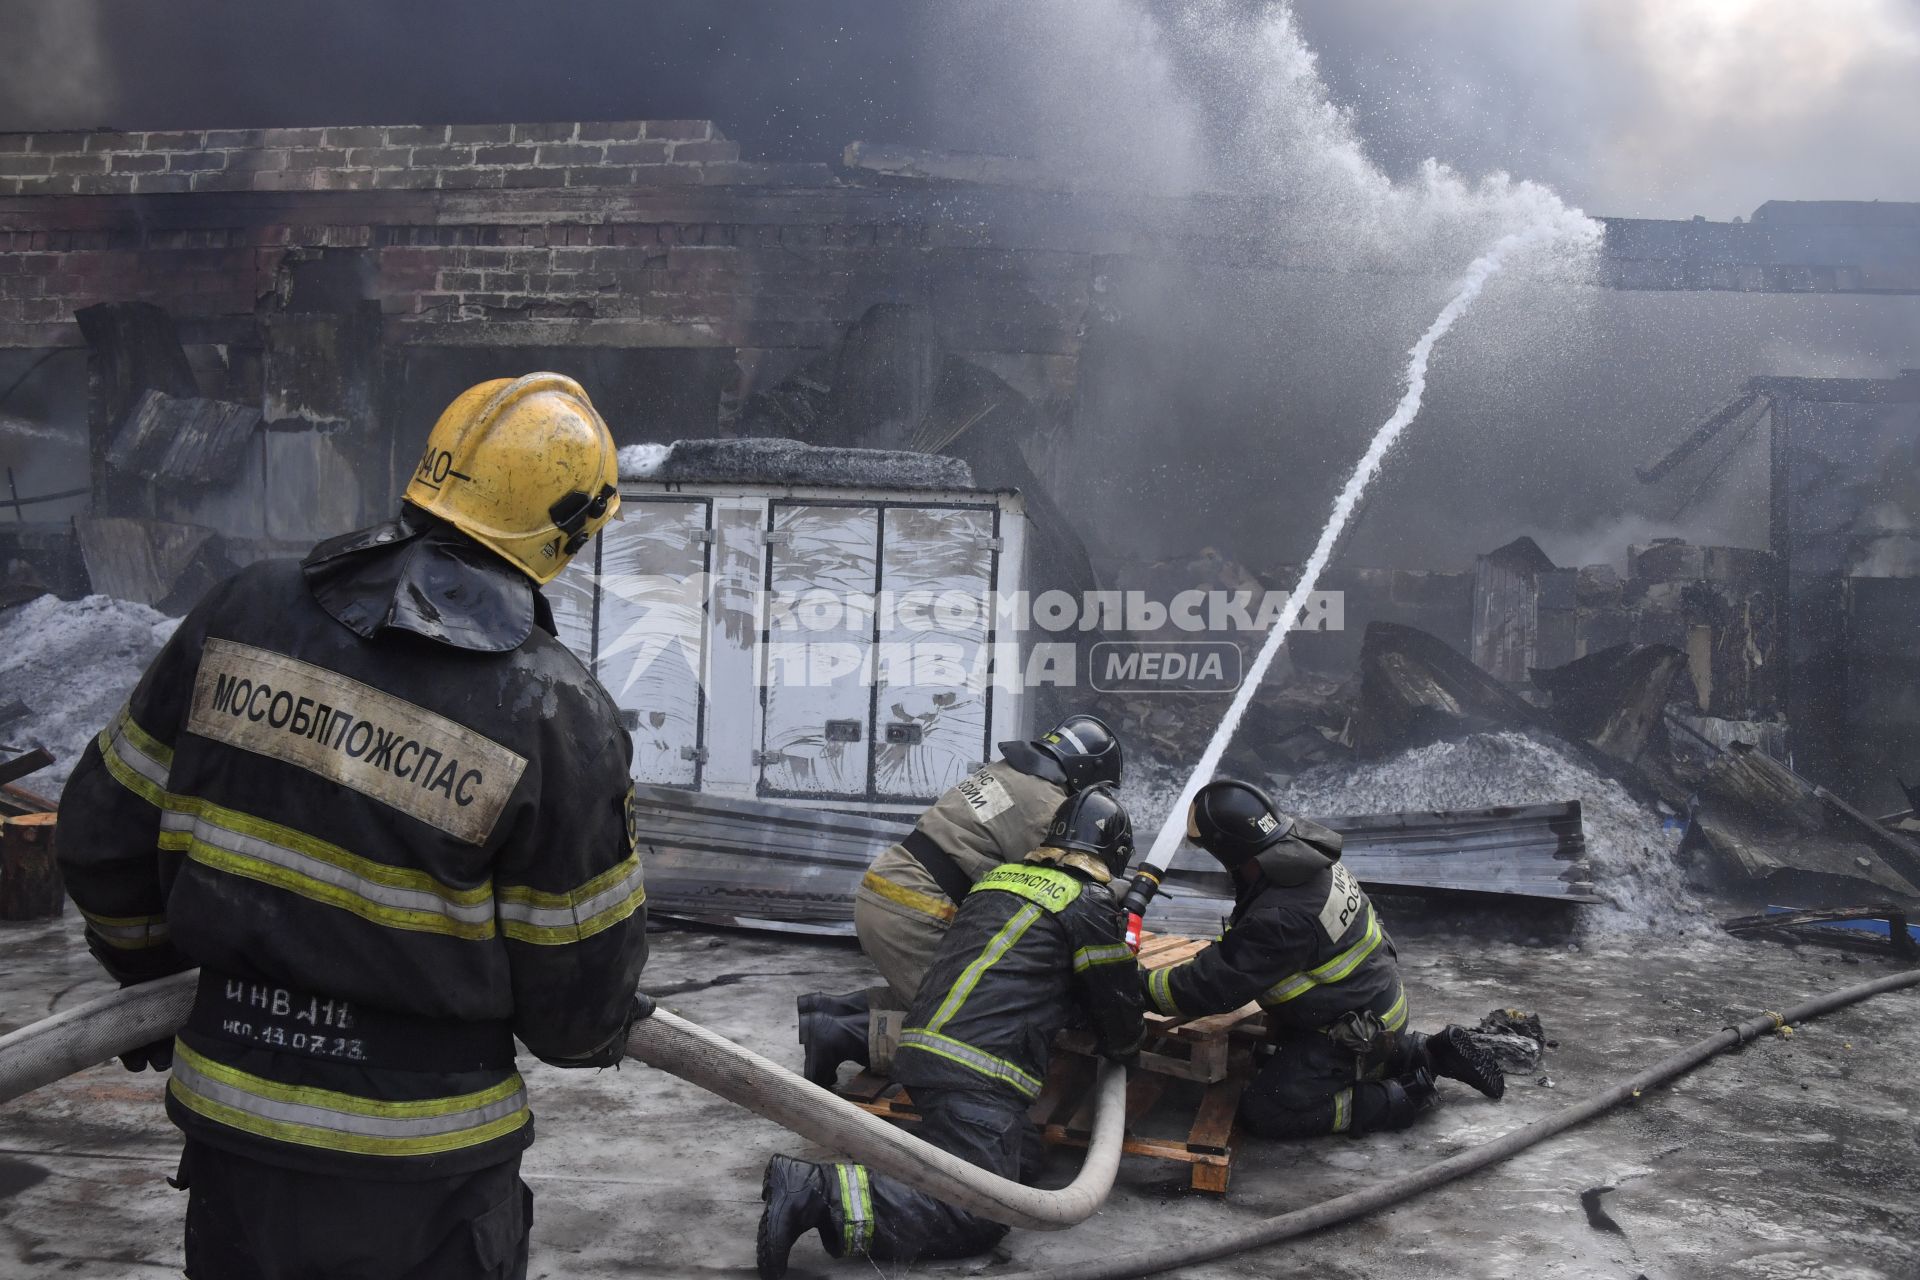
x=1357, y=1203
x=90, y=1034
x=84, y=1036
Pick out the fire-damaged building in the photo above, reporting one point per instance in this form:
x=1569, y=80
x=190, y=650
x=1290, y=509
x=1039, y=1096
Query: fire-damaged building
x=1216, y=650
x=266, y=321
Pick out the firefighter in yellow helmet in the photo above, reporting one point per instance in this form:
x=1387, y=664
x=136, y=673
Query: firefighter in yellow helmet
x=388, y=815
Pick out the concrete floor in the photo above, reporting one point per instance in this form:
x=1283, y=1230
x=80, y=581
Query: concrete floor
x=1791, y=1158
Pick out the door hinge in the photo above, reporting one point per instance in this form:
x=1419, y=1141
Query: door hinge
x=701, y=537
x=696, y=754
x=992, y=544
x=769, y=757
x=777, y=537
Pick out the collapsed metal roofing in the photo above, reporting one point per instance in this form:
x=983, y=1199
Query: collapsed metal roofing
x=778, y=461
x=184, y=440
x=737, y=861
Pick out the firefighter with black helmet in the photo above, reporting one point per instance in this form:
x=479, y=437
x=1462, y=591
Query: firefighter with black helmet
x=1035, y=944
x=1305, y=942
x=908, y=897
x=389, y=817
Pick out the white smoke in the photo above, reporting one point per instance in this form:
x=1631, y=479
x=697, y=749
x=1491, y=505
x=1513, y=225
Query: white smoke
x=54, y=70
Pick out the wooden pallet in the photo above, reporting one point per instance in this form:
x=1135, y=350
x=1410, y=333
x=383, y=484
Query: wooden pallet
x=1209, y=1051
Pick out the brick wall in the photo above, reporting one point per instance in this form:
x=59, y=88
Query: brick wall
x=366, y=157
x=634, y=234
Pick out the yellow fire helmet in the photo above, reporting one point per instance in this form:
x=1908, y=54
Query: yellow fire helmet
x=523, y=466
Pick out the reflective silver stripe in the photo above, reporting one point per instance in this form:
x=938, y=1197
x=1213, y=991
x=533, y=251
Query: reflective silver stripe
x=125, y=747
x=856, y=1211
x=149, y=933
x=562, y=917
x=1074, y=738
x=205, y=831
x=967, y=1056
x=1160, y=992
x=134, y=758
x=194, y=1081
x=1342, y=1110
x=1111, y=953
x=1010, y=932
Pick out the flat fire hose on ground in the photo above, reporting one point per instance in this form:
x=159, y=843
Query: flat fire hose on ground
x=99, y=1030
x=1356, y=1204
x=92, y=1033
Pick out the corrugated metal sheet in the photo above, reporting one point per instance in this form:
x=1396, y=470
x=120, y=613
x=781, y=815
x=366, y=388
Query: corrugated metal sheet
x=748, y=862
x=183, y=440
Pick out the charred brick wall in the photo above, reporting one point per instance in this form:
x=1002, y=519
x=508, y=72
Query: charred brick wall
x=626, y=234
x=362, y=158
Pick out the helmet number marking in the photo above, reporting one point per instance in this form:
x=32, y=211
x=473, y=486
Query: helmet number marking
x=435, y=466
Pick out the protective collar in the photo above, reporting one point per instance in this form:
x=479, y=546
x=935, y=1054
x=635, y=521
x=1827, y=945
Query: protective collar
x=1085, y=863
x=419, y=574
x=1291, y=863
x=1033, y=762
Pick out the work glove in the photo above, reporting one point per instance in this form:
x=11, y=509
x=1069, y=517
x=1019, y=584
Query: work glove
x=158, y=1055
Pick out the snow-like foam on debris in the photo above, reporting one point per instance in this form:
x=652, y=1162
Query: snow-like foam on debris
x=1628, y=845
x=1631, y=851
x=642, y=461
x=73, y=663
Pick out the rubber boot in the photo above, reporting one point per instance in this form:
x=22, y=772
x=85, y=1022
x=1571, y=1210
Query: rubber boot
x=821, y=1002
x=1407, y=1097
x=829, y=1040
x=795, y=1193
x=1453, y=1054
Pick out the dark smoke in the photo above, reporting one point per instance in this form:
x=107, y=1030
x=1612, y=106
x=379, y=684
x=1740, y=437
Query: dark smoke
x=1218, y=406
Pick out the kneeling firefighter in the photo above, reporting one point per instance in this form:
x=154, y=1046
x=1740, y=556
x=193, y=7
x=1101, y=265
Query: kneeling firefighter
x=1305, y=942
x=908, y=897
x=388, y=815
x=1034, y=945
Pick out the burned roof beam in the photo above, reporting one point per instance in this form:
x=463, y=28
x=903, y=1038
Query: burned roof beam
x=1699, y=437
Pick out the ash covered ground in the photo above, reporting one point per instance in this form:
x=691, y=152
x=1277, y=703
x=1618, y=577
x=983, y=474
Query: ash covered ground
x=72, y=662
x=1795, y=1157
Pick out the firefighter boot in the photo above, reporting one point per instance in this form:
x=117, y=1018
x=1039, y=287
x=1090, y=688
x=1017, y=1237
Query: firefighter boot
x=1452, y=1053
x=821, y=1002
x=1407, y=1097
x=795, y=1192
x=831, y=1039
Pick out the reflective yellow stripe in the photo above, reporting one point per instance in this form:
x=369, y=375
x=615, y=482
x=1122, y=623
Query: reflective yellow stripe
x=554, y=919
x=1046, y=887
x=1395, y=1017
x=135, y=759
x=967, y=1056
x=1328, y=972
x=268, y=853
x=129, y=933
x=145, y=742
x=1160, y=992
x=343, y=1122
x=856, y=1208
x=1010, y=932
x=1342, y=1110
x=913, y=900
x=1110, y=953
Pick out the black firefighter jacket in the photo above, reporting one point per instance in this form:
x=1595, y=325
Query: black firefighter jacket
x=1304, y=942
x=389, y=856
x=1033, y=948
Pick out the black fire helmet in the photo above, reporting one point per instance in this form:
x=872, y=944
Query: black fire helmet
x=1237, y=821
x=1095, y=822
x=1086, y=751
